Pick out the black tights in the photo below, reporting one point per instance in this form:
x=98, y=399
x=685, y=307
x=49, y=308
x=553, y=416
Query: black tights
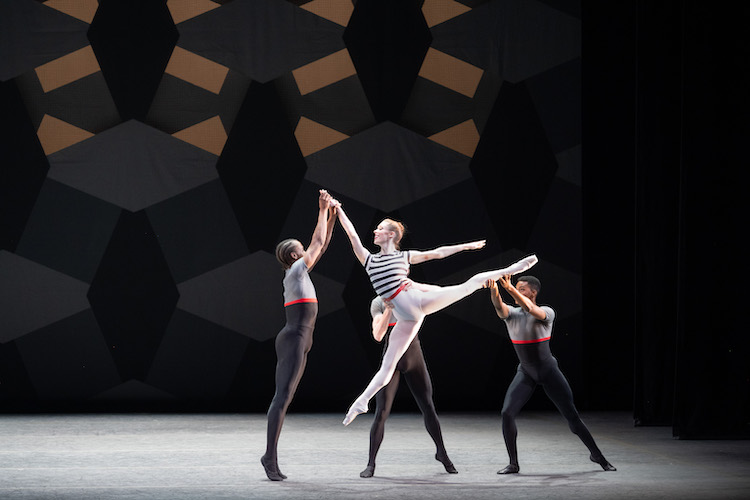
x=293, y=343
x=546, y=373
x=414, y=369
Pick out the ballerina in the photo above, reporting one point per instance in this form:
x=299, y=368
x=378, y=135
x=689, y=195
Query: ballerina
x=388, y=270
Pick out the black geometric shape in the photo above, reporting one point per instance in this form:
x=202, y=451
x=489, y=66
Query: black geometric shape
x=133, y=295
x=515, y=39
x=133, y=41
x=557, y=95
x=394, y=167
x=515, y=158
x=261, y=167
x=560, y=213
x=342, y=106
x=16, y=391
x=23, y=167
x=197, y=231
x=34, y=34
x=261, y=39
x=169, y=113
x=68, y=361
x=197, y=359
x=387, y=41
x=68, y=230
x=94, y=109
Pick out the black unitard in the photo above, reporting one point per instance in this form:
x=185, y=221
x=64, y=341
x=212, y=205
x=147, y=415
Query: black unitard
x=539, y=367
x=414, y=369
x=293, y=343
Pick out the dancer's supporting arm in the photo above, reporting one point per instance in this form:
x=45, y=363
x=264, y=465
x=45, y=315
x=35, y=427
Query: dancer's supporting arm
x=331, y=223
x=381, y=320
x=359, y=249
x=318, y=242
x=501, y=308
x=522, y=300
x=417, y=256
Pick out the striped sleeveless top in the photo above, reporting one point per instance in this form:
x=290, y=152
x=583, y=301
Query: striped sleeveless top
x=387, y=272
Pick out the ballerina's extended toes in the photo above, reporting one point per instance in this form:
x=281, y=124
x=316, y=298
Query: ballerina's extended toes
x=354, y=410
x=449, y=467
x=368, y=472
x=272, y=470
x=523, y=265
x=603, y=462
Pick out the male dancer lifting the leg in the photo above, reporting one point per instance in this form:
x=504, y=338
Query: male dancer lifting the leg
x=530, y=330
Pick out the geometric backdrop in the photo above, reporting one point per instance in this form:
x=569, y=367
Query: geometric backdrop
x=154, y=153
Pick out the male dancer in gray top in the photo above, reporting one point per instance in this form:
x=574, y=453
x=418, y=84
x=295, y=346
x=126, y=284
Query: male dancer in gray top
x=530, y=330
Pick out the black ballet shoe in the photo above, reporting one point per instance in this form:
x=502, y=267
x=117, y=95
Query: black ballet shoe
x=271, y=471
x=449, y=468
x=603, y=462
x=368, y=472
x=510, y=469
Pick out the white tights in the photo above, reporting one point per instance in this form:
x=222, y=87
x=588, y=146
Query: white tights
x=410, y=307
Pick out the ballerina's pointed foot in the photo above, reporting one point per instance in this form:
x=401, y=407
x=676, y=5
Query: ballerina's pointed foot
x=368, y=472
x=603, y=462
x=272, y=470
x=449, y=467
x=354, y=410
x=524, y=264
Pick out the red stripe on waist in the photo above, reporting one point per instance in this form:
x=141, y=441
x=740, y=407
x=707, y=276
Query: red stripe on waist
x=300, y=301
x=535, y=341
x=399, y=290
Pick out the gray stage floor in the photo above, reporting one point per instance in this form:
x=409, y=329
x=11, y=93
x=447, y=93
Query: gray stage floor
x=216, y=456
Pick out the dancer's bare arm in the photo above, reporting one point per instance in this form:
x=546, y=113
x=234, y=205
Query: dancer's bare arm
x=417, y=256
x=331, y=223
x=523, y=301
x=318, y=241
x=501, y=308
x=359, y=250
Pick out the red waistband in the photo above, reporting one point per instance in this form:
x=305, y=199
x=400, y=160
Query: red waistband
x=399, y=290
x=535, y=341
x=299, y=301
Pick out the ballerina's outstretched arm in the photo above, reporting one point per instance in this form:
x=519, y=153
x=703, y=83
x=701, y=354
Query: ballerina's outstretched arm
x=417, y=256
x=359, y=249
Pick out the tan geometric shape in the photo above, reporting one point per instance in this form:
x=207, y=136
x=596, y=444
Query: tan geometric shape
x=463, y=138
x=55, y=134
x=80, y=9
x=67, y=69
x=199, y=71
x=209, y=135
x=338, y=11
x=450, y=72
x=439, y=11
x=182, y=10
x=312, y=136
x=324, y=71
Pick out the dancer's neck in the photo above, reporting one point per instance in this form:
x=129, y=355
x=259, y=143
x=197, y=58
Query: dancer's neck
x=388, y=248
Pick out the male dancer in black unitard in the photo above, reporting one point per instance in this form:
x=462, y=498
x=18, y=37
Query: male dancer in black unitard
x=530, y=331
x=414, y=369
